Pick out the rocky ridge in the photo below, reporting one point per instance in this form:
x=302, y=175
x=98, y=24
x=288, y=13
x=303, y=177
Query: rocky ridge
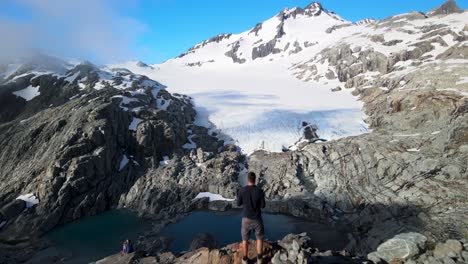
x=92, y=139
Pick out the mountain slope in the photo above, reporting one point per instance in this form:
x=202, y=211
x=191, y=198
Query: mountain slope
x=77, y=140
x=257, y=102
x=257, y=87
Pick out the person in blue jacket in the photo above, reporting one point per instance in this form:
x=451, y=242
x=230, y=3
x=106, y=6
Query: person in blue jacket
x=127, y=247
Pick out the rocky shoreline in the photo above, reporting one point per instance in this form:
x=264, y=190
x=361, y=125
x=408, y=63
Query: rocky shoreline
x=411, y=248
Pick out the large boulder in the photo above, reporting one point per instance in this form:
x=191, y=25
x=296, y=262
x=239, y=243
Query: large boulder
x=402, y=246
x=202, y=240
x=451, y=248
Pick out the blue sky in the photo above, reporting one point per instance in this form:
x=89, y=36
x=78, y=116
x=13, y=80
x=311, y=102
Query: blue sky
x=156, y=30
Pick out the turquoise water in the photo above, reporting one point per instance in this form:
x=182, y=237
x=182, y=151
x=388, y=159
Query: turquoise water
x=99, y=236
x=225, y=227
x=95, y=237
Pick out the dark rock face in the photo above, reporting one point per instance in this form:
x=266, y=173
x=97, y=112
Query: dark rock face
x=265, y=49
x=233, y=53
x=10, y=106
x=12, y=210
x=202, y=240
x=80, y=145
x=256, y=29
x=144, y=65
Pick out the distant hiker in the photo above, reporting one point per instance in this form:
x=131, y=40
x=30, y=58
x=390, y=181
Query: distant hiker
x=325, y=209
x=127, y=247
x=252, y=198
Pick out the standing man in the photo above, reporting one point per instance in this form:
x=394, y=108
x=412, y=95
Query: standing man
x=252, y=198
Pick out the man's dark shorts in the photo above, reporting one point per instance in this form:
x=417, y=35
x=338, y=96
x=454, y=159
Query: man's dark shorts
x=252, y=224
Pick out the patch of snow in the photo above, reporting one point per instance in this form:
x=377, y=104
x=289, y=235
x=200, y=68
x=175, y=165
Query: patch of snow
x=407, y=135
x=100, y=85
x=165, y=161
x=413, y=150
x=28, y=93
x=212, y=197
x=435, y=132
x=125, y=101
x=163, y=104
x=155, y=92
x=81, y=85
x=73, y=77
x=123, y=162
x=29, y=198
x=134, y=124
x=191, y=144
x=2, y=224
x=463, y=80
x=138, y=92
x=74, y=97
x=149, y=83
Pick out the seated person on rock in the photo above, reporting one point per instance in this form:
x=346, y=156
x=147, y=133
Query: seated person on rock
x=252, y=198
x=127, y=247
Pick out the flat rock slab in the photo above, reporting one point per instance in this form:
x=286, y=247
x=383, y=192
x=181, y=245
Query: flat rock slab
x=402, y=246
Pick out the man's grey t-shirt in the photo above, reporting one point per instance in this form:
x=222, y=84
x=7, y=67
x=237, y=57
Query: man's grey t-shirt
x=253, y=200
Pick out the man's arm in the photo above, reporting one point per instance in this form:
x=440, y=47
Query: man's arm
x=262, y=199
x=239, y=198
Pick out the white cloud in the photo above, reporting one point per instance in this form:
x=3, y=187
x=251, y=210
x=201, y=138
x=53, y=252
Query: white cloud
x=88, y=29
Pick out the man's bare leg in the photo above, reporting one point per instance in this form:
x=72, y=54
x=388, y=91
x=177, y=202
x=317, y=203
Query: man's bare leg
x=245, y=248
x=259, y=247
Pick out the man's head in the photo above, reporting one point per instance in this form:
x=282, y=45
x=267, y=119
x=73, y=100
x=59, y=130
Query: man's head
x=251, y=177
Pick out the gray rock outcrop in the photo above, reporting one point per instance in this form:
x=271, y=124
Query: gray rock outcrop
x=402, y=246
x=448, y=7
x=202, y=240
x=82, y=151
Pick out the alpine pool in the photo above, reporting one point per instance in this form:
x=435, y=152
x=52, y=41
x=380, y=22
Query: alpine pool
x=99, y=236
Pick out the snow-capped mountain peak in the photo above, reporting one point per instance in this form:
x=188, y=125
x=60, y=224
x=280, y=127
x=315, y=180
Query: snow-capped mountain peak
x=314, y=8
x=287, y=33
x=448, y=7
